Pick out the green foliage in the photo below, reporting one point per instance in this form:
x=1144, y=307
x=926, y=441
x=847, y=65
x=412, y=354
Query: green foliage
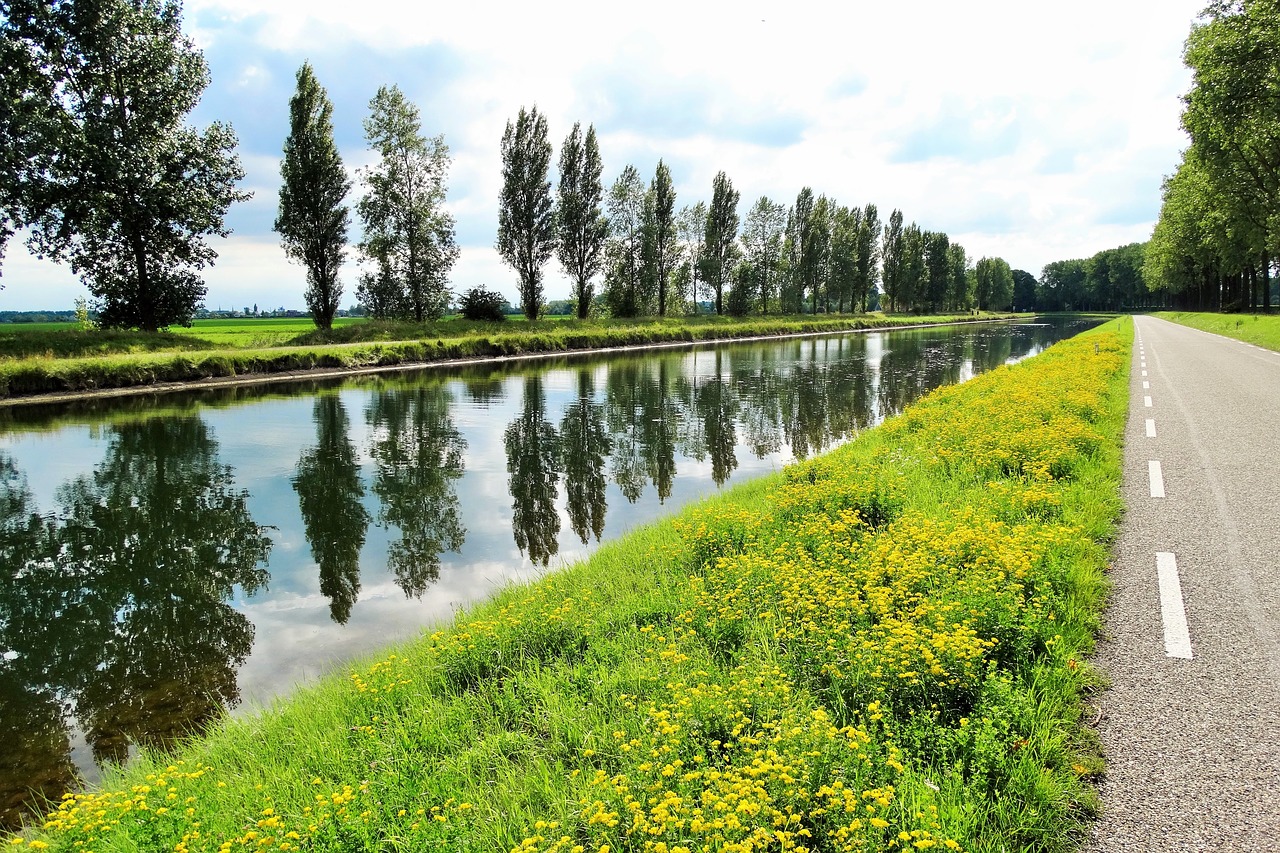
x=937, y=269
x=1219, y=227
x=993, y=284
x=580, y=222
x=624, y=249
x=762, y=241
x=526, y=215
x=894, y=250
x=312, y=221
x=480, y=303
x=719, y=240
x=660, y=247
x=97, y=161
x=408, y=235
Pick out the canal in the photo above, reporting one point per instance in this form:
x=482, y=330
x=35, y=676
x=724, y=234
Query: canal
x=166, y=560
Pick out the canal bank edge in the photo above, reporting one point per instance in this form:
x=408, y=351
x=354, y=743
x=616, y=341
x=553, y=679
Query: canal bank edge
x=54, y=381
x=694, y=656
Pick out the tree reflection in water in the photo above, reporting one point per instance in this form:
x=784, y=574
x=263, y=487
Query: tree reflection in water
x=585, y=442
x=116, y=608
x=534, y=463
x=417, y=455
x=327, y=480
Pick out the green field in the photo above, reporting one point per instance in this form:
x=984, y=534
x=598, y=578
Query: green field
x=1260, y=329
x=61, y=358
x=880, y=648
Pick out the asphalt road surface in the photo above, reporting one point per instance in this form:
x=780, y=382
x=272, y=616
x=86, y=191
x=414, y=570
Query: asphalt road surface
x=1191, y=721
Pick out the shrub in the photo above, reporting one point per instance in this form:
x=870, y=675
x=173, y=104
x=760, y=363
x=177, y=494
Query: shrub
x=480, y=303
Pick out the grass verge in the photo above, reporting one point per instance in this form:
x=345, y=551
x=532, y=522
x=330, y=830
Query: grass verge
x=57, y=362
x=1260, y=329
x=881, y=648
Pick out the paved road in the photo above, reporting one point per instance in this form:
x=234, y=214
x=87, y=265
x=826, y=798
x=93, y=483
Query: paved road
x=1193, y=743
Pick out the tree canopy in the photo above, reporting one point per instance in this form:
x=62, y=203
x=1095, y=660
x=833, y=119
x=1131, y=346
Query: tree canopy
x=408, y=235
x=97, y=161
x=526, y=214
x=312, y=221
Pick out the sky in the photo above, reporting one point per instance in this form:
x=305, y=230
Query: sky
x=1035, y=132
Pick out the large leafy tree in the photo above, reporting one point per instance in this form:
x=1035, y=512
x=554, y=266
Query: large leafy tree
x=719, y=242
x=581, y=224
x=313, y=220
x=993, y=283
x=408, y=236
x=526, y=215
x=97, y=161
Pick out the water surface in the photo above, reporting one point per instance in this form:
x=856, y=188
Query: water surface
x=167, y=559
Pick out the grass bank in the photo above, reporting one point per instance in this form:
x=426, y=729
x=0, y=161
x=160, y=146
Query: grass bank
x=72, y=360
x=881, y=648
x=1260, y=329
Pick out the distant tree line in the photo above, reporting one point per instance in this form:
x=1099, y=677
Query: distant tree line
x=1215, y=244
x=1111, y=280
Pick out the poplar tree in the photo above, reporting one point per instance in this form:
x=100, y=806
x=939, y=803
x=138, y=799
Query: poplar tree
x=799, y=224
x=661, y=246
x=762, y=242
x=625, y=245
x=868, y=254
x=581, y=224
x=720, y=237
x=526, y=215
x=893, y=248
x=408, y=236
x=312, y=221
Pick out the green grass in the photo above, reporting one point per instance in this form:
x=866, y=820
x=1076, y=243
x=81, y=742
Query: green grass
x=73, y=361
x=1260, y=329
x=880, y=648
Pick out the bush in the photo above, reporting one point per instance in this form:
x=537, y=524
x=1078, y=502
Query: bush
x=480, y=303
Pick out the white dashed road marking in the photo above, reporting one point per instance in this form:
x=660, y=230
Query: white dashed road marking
x=1146, y=401
x=1151, y=428
x=1177, y=638
x=1157, y=479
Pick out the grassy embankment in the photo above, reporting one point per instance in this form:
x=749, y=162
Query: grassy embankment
x=1260, y=329
x=880, y=648
x=70, y=360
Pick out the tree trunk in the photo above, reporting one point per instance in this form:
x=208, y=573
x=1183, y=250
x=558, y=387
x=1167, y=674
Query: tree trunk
x=1266, y=282
x=146, y=304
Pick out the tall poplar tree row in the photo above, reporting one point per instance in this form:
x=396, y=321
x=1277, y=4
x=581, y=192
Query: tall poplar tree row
x=526, y=215
x=581, y=224
x=312, y=221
